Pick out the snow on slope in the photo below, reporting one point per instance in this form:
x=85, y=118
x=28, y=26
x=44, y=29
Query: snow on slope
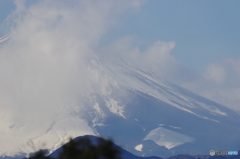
x=139, y=147
x=143, y=81
x=3, y=39
x=19, y=138
x=167, y=138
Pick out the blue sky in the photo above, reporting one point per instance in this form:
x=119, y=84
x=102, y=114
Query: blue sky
x=199, y=39
x=6, y=7
x=204, y=31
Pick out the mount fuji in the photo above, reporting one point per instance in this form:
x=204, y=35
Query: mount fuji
x=144, y=114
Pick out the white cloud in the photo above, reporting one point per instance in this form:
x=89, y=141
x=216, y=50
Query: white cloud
x=219, y=82
x=215, y=73
x=157, y=58
x=235, y=64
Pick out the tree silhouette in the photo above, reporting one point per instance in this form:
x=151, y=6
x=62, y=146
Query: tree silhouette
x=84, y=148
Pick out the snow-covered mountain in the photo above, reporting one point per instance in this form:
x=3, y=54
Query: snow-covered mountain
x=144, y=114
x=154, y=117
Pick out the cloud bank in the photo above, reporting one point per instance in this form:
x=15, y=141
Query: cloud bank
x=44, y=68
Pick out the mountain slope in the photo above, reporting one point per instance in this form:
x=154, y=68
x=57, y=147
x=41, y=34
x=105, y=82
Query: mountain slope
x=172, y=118
x=144, y=114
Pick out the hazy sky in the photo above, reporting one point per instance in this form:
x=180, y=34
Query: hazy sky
x=200, y=41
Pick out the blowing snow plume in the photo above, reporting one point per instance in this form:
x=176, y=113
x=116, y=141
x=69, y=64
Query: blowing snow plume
x=45, y=73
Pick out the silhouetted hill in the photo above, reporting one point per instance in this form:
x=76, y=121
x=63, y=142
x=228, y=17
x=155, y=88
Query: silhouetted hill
x=124, y=154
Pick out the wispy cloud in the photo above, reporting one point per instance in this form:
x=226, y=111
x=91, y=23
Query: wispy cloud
x=215, y=73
